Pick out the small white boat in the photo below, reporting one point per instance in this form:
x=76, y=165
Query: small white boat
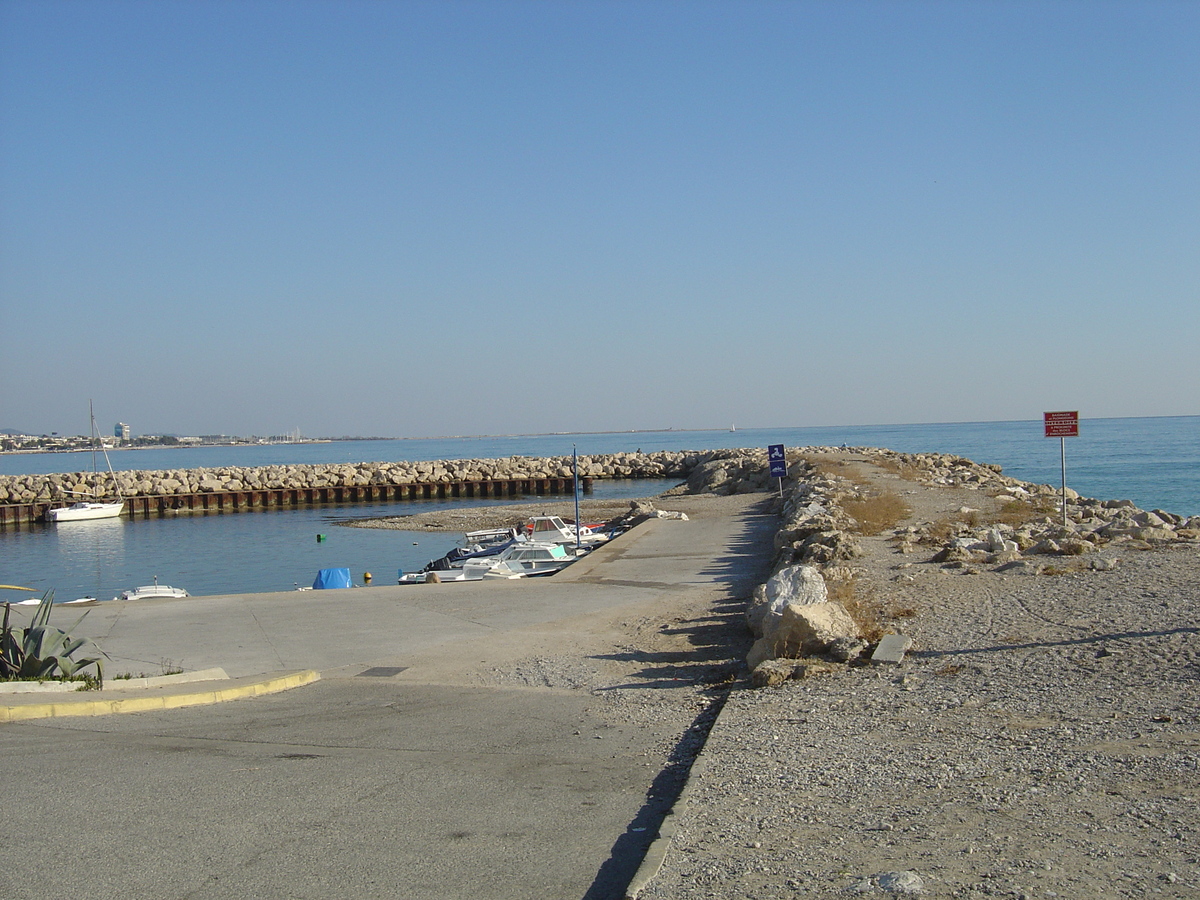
x=521, y=560
x=485, y=538
x=86, y=509
x=552, y=529
x=95, y=508
x=486, y=543
x=151, y=591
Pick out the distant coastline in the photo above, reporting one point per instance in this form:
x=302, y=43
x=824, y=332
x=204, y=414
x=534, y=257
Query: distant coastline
x=255, y=441
x=234, y=441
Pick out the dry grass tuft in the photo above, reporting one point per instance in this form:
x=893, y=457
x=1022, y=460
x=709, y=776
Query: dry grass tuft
x=1019, y=512
x=878, y=513
x=896, y=467
x=1014, y=513
x=942, y=530
x=837, y=468
x=862, y=610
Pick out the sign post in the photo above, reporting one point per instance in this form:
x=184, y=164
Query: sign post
x=1062, y=425
x=778, y=462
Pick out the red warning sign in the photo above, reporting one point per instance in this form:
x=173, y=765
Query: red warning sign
x=1062, y=424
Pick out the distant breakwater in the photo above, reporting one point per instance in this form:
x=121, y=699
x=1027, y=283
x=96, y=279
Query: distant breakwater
x=25, y=498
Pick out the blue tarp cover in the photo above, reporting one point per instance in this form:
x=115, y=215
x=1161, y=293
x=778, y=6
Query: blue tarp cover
x=332, y=578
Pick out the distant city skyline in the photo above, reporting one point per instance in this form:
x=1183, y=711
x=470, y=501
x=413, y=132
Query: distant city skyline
x=427, y=218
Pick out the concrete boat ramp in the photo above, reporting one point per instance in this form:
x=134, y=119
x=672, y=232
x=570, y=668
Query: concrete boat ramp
x=496, y=739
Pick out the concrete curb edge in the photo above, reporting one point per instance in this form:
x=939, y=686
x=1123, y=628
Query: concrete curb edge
x=656, y=854
x=106, y=707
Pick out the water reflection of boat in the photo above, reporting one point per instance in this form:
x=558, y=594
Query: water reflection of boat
x=94, y=553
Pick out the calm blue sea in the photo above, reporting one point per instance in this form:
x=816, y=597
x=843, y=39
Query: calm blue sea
x=1153, y=461
x=248, y=552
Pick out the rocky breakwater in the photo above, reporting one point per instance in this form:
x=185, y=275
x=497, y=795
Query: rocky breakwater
x=1027, y=532
x=1016, y=528
x=729, y=469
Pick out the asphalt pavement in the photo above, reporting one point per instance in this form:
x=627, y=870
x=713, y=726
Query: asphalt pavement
x=348, y=757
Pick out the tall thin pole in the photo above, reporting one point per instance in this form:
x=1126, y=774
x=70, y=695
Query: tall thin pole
x=1063, y=444
x=575, y=469
x=95, y=441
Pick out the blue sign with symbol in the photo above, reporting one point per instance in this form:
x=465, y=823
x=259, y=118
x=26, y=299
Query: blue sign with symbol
x=778, y=460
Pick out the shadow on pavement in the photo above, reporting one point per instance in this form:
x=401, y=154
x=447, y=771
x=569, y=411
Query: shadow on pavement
x=618, y=871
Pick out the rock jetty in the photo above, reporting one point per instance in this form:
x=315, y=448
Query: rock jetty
x=1032, y=734
x=726, y=471
x=1016, y=528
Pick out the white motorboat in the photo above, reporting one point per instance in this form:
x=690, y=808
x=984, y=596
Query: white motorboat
x=552, y=529
x=485, y=543
x=94, y=508
x=434, y=576
x=521, y=560
x=151, y=591
x=486, y=538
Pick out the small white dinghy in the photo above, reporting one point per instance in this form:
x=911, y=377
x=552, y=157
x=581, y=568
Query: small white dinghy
x=149, y=591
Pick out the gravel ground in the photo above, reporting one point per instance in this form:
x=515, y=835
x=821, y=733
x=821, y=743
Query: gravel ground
x=475, y=518
x=1041, y=740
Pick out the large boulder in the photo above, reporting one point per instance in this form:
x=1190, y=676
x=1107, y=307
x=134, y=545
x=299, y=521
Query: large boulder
x=801, y=585
x=802, y=630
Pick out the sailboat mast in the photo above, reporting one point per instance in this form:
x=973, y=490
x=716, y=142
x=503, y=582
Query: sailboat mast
x=95, y=472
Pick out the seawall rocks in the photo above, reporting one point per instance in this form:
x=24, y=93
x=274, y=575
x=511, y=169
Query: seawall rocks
x=1022, y=527
x=167, y=482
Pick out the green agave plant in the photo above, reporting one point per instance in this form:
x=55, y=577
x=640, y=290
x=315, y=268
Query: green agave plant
x=42, y=652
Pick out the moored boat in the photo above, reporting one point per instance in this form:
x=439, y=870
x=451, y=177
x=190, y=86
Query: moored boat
x=95, y=508
x=521, y=559
x=552, y=529
x=84, y=510
x=151, y=591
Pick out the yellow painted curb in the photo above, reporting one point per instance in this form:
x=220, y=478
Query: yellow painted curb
x=160, y=701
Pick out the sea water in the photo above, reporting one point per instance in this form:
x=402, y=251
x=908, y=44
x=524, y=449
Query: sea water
x=259, y=550
x=1155, y=462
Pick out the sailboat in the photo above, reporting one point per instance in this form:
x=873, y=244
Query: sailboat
x=95, y=508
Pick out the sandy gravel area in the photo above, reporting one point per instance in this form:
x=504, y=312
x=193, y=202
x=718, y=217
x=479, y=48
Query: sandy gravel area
x=1041, y=740
x=474, y=518
x=591, y=511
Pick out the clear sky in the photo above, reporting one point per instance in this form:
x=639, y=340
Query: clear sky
x=410, y=219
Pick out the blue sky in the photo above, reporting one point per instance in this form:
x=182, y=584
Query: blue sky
x=413, y=219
